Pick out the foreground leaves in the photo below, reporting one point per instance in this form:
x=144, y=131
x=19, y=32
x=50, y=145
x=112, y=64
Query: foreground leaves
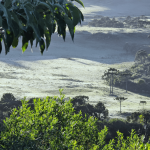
x=38, y=17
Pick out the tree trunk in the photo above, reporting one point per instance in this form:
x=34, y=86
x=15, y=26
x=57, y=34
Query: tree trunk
x=126, y=84
x=120, y=106
x=110, y=83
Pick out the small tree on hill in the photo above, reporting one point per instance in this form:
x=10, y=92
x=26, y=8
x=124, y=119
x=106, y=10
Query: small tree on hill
x=120, y=100
x=109, y=75
x=127, y=74
x=141, y=55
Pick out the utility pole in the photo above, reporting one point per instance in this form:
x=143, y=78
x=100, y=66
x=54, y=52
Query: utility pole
x=120, y=99
x=126, y=74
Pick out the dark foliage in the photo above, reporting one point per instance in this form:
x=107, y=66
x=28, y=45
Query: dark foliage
x=8, y=97
x=139, y=81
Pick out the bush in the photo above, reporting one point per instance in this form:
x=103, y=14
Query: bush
x=79, y=100
x=53, y=124
x=141, y=82
x=88, y=109
x=135, y=76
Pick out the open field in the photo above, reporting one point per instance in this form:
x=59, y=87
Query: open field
x=77, y=66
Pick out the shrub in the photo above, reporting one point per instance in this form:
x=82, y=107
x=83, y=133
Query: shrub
x=53, y=124
x=79, y=100
x=141, y=81
x=88, y=109
x=135, y=76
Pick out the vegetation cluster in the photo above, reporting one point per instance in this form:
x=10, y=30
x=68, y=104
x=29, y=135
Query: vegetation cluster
x=36, y=20
x=53, y=119
x=128, y=22
x=52, y=123
x=139, y=81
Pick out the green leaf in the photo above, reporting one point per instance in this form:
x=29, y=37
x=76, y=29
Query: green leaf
x=0, y=43
x=32, y=38
x=51, y=1
x=48, y=38
x=8, y=40
x=49, y=24
x=70, y=26
x=5, y=44
x=14, y=26
x=61, y=25
x=81, y=16
x=10, y=23
x=40, y=22
x=8, y=32
x=41, y=30
x=24, y=43
x=4, y=25
x=60, y=7
x=49, y=6
x=6, y=15
x=19, y=25
x=68, y=12
x=27, y=35
x=36, y=42
x=31, y=21
x=42, y=46
x=7, y=3
x=75, y=14
x=79, y=1
x=0, y=21
x=15, y=42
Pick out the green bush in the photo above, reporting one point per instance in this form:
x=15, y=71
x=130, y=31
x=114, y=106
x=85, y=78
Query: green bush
x=53, y=124
x=50, y=124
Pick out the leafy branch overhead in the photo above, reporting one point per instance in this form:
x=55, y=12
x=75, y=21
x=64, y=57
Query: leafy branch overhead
x=37, y=19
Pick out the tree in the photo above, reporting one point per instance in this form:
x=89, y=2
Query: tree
x=120, y=99
x=147, y=65
x=109, y=74
x=141, y=55
x=36, y=19
x=127, y=74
